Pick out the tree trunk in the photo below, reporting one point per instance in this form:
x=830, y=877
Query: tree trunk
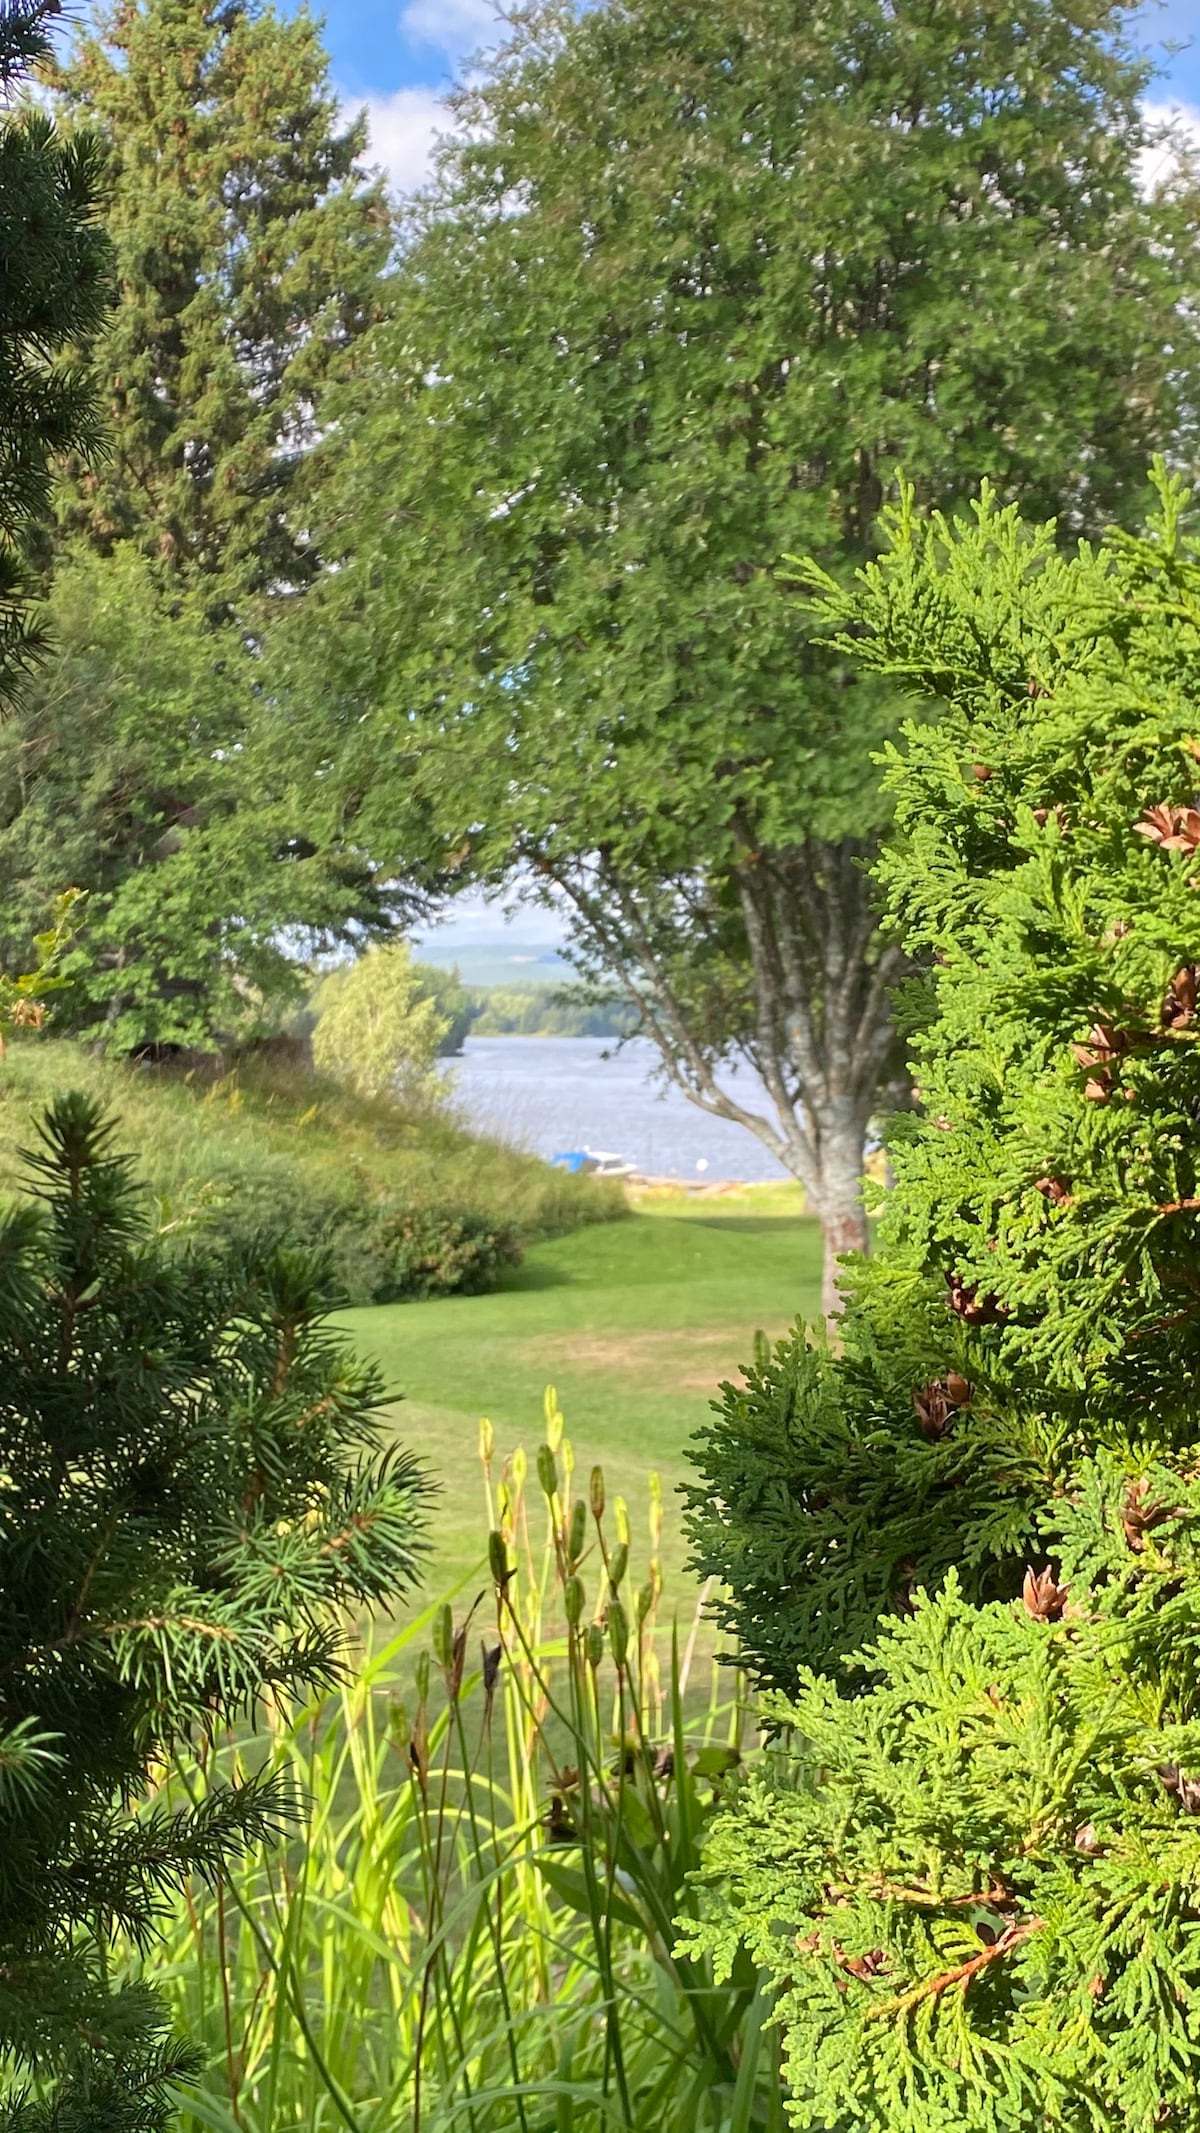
x=818, y=1029
x=837, y=1198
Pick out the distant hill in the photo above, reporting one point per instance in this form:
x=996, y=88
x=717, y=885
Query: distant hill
x=487, y=963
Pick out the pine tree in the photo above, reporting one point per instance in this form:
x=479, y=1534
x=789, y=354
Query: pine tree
x=966, y=1550
x=195, y=1490
x=53, y=291
x=249, y=249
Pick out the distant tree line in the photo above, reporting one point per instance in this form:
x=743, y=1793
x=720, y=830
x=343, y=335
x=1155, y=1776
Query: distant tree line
x=538, y=1009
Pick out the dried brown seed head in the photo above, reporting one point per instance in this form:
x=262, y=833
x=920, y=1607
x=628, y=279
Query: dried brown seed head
x=1042, y=1595
x=1139, y=1515
x=1055, y=1191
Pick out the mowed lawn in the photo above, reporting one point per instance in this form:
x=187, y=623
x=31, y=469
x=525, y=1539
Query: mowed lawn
x=635, y=1323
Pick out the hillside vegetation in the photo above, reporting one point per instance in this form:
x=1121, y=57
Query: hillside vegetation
x=268, y=1145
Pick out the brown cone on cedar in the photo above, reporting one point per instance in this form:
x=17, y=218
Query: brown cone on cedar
x=938, y=1402
x=1104, y=1043
x=1185, y=1789
x=1173, y=829
x=1140, y=1514
x=966, y=1303
x=1179, y=1007
x=1053, y=1189
x=1042, y=1596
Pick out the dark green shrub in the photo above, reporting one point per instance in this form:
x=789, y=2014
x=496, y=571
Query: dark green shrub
x=443, y=1251
x=377, y=1252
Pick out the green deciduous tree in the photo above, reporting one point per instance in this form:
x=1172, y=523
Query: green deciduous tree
x=197, y=1491
x=379, y=1026
x=688, y=284
x=249, y=250
x=966, y=1548
x=53, y=291
x=133, y=765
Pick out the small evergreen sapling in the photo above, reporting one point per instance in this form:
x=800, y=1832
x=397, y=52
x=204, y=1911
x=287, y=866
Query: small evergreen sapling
x=194, y=1489
x=967, y=1549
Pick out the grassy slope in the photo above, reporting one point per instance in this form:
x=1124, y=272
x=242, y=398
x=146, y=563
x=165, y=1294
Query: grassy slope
x=635, y=1324
x=635, y=1321
x=193, y=1137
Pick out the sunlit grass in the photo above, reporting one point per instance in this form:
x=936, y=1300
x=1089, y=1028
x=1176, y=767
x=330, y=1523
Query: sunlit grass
x=636, y=1323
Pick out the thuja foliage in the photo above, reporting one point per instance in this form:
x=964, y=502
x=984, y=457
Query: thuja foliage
x=193, y=1490
x=967, y=1547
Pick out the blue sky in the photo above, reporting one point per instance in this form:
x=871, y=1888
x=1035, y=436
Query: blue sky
x=396, y=57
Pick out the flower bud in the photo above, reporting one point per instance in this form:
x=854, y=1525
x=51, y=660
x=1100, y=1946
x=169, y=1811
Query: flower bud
x=597, y=1492
x=595, y=1644
x=487, y=1440
x=575, y=1537
x=618, y=1631
x=498, y=1559
x=573, y=1599
x=656, y=1512
x=618, y=1565
x=621, y=1514
x=547, y=1472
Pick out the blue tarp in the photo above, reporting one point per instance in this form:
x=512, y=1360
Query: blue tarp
x=572, y=1159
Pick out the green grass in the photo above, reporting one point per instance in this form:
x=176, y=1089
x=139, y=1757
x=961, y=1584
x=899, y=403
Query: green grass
x=257, y=1131
x=634, y=1323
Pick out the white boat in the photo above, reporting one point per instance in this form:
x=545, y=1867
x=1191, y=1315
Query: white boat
x=596, y=1162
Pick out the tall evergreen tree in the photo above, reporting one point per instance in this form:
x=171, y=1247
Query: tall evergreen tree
x=249, y=249
x=53, y=291
x=967, y=1549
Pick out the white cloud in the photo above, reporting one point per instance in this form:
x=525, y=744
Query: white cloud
x=452, y=26
x=1155, y=163
x=402, y=129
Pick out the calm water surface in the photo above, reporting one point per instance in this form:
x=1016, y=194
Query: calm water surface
x=554, y=1093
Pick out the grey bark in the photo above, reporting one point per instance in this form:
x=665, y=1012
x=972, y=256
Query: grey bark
x=816, y=1025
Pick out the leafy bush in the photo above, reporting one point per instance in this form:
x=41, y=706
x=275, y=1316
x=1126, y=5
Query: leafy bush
x=966, y=1546
x=378, y=1252
x=443, y=1251
x=378, y=1026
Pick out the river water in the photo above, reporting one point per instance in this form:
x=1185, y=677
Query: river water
x=550, y=1094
